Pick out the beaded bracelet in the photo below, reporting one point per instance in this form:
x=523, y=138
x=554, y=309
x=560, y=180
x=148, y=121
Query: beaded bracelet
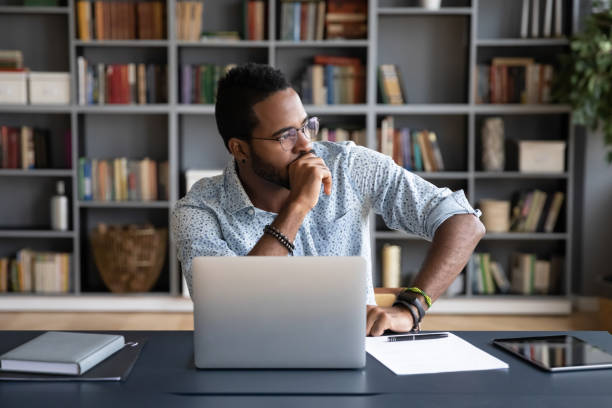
x=269, y=229
x=420, y=292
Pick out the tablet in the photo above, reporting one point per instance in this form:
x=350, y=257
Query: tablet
x=557, y=353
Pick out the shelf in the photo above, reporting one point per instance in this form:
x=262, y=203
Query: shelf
x=507, y=236
x=522, y=42
x=522, y=108
x=336, y=109
x=398, y=235
x=419, y=11
x=24, y=233
x=433, y=109
x=224, y=43
x=119, y=108
x=444, y=175
x=503, y=304
x=525, y=236
x=497, y=304
x=124, y=204
x=95, y=302
x=36, y=108
x=196, y=109
x=518, y=175
x=36, y=173
x=33, y=10
x=324, y=43
x=121, y=43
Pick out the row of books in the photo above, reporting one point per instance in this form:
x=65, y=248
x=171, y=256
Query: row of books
x=309, y=20
x=529, y=275
x=542, y=18
x=333, y=80
x=121, y=20
x=24, y=148
x=536, y=211
x=199, y=82
x=389, y=85
x=302, y=21
x=413, y=149
x=34, y=271
x=121, y=83
x=189, y=22
x=342, y=134
x=513, y=80
x=122, y=179
x=533, y=276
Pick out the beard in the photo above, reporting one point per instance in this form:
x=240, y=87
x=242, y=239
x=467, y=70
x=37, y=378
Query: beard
x=268, y=172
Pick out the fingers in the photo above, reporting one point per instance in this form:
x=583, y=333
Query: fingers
x=377, y=321
x=382, y=323
x=327, y=182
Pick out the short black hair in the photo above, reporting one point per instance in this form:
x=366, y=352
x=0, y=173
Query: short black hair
x=237, y=92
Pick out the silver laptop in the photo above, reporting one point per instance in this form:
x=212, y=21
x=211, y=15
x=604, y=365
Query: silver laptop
x=279, y=312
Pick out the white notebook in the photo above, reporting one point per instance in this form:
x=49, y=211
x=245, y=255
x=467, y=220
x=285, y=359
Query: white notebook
x=61, y=353
x=449, y=354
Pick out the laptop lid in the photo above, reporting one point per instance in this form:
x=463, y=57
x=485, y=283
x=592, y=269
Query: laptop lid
x=279, y=312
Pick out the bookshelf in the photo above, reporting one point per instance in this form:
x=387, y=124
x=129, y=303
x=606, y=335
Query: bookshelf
x=437, y=54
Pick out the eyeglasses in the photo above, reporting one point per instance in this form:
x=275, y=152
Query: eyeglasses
x=288, y=138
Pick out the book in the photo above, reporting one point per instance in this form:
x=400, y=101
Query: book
x=535, y=18
x=546, y=32
x=558, y=18
x=499, y=276
x=389, y=85
x=525, y=19
x=66, y=353
x=541, y=278
x=553, y=213
x=115, y=368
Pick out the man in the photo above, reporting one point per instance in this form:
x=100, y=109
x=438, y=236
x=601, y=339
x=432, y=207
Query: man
x=281, y=193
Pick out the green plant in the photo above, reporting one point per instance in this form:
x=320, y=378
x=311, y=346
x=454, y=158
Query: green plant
x=585, y=77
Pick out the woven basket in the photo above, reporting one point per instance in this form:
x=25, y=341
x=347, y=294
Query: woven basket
x=129, y=258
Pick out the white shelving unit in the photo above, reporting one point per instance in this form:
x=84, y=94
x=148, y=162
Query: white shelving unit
x=436, y=68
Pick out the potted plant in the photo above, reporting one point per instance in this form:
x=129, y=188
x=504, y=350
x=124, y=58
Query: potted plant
x=585, y=77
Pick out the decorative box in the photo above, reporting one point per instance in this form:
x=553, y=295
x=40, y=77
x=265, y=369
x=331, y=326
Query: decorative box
x=49, y=88
x=13, y=88
x=542, y=156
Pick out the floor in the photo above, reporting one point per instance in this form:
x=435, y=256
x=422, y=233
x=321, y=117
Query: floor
x=184, y=321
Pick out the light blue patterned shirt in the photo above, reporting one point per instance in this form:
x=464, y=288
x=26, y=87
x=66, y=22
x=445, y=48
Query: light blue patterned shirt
x=216, y=217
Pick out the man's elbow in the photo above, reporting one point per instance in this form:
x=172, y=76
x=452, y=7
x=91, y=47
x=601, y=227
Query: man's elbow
x=478, y=228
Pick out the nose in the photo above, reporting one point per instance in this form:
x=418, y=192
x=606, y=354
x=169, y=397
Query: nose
x=303, y=143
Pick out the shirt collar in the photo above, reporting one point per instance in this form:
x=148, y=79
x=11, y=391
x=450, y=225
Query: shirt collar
x=234, y=196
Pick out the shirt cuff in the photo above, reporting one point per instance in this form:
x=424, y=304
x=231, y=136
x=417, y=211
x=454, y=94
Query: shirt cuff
x=453, y=204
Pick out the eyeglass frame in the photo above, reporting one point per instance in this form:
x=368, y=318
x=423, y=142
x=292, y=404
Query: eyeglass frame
x=301, y=129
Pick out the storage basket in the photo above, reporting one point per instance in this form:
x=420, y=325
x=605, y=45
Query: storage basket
x=129, y=258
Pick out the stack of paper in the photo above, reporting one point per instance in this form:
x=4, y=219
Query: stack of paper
x=444, y=355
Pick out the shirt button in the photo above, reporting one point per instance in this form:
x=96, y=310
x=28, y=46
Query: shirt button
x=251, y=212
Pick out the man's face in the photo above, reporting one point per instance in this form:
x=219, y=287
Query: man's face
x=279, y=112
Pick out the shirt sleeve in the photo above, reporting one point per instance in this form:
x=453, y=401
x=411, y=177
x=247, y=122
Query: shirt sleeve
x=196, y=232
x=404, y=200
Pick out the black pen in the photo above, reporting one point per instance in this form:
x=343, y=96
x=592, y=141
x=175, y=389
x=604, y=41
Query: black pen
x=424, y=336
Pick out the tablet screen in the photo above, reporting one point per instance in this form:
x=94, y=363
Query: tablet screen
x=557, y=353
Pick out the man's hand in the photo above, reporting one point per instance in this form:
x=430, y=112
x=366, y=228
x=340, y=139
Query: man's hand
x=305, y=177
x=379, y=319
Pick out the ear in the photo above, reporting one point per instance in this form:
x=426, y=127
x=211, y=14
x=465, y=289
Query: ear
x=239, y=149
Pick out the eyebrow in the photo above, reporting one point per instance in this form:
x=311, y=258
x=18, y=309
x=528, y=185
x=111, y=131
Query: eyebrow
x=278, y=132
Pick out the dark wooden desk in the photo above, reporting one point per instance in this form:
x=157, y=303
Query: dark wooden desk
x=165, y=375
